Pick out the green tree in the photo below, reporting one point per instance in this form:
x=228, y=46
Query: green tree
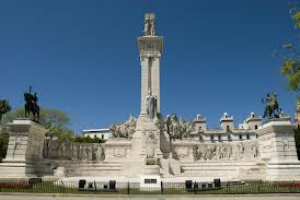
x=4, y=107
x=290, y=57
x=291, y=63
x=4, y=138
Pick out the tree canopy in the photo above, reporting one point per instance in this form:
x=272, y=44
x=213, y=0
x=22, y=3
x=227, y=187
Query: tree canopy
x=56, y=121
x=291, y=58
x=4, y=107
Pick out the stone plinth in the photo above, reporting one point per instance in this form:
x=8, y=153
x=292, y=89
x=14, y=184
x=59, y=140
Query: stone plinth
x=117, y=149
x=24, y=149
x=278, y=150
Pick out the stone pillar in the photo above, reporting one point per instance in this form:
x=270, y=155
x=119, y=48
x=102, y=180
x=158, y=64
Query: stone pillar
x=155, y=79
x=144, y=83
x=278, y=150
x=150, y=48
x=25, y=148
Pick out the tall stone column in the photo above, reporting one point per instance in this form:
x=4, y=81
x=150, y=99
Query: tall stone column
x=155, y=79
x=150, y=48
x=144, y=83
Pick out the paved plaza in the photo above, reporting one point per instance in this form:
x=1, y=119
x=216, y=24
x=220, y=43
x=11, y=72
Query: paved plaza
x=149, y=197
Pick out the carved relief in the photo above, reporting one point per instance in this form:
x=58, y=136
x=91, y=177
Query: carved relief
x=74, y=151
x=227, y=151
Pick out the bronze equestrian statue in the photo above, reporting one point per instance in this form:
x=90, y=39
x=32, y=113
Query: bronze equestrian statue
x=31, y=105
x=272, y=109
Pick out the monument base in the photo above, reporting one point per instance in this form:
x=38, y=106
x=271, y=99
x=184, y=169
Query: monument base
x=25, y=148
x=277, y=146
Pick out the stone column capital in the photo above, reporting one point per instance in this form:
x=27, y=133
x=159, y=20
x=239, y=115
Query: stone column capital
x=150, y=54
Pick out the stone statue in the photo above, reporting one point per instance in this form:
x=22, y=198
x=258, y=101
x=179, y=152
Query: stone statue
x=151, y=105
x=147, y=28
x=31, y=105
x=149, y=25
x=124, y=130
x=151, y=143
x=178, y=129
x=272, y=109
x=152, y=29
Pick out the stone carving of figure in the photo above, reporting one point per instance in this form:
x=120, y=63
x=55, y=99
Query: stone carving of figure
x=159, y=122
x=228, y=150
x=124, y=130
x=74, y=152
x=147, y=28
x=151, y=142
x=62, y=149
x=254, y=149
x=151, y=105
x=17, y=144
x=241, y=150
x=286, y=145
x=99, y=154
x=152, y=28
x=209, y=152
x=217, y=153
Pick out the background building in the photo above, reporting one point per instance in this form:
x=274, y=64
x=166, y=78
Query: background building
x=97, y=133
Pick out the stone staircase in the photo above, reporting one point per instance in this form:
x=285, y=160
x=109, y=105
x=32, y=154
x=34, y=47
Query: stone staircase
x=101, y=169
x=47, y=167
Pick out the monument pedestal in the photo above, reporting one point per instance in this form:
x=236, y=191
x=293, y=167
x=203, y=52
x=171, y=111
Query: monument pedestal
x=25, y=148
x=277, y=147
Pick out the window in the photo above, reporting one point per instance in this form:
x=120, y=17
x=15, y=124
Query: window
x=248, y=137
x=219, y=137
x=241, y=137
x=256, y=136
x=211, y=137
x=256, y=127
x=102, y=136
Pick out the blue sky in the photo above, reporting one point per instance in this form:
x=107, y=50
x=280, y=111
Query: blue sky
x=82, y=57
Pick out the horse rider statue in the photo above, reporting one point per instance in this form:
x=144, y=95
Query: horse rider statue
x=272, y=109
x=31, y=105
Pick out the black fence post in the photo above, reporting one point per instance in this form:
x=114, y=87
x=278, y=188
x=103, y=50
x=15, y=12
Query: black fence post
x=128, y=187
x=161, y=187
x=195, y=187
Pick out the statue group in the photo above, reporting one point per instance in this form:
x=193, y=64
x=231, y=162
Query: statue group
x=149, y=28
x=31, y=105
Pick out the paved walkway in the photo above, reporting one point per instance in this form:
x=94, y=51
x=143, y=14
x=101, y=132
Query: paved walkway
x=26, y=196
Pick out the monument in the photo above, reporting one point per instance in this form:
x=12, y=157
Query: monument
x=152, y=148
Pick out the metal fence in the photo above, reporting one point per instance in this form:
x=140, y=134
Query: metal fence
x=113, y=187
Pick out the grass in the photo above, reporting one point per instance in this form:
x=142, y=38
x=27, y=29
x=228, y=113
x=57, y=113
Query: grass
x=173, y=188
